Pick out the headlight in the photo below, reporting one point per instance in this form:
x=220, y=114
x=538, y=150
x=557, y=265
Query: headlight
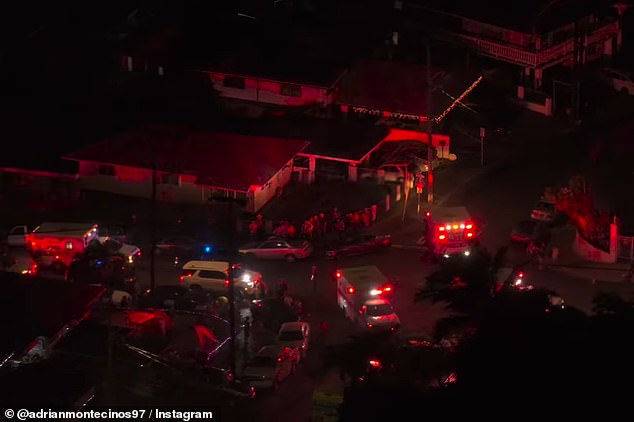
x=467, y=252
x=130, y=259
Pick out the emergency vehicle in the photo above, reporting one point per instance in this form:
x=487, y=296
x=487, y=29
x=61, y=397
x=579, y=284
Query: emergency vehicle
x=363, y=294
x=55, y=245
x=449, y=231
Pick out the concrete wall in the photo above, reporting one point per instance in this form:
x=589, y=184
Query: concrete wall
x=269, y=92
x=588, y=252
x=263, y=194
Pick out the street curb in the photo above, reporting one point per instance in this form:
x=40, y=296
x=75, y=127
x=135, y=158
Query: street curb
x=408, y=247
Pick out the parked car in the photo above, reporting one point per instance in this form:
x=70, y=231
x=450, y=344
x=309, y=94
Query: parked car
x=544, y=210
x=176, y=297
x=295, y=335
x=213, y=276
x=270, y=366
x=357, y=245
x=620, y=80
x=113, y=232
x=115, y=247
x=277, y=249
x=273, y=312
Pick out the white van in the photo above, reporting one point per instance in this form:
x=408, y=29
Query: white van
x=213, y=276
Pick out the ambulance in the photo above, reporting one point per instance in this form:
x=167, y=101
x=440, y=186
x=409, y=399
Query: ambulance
x=449, y=231
x=363, y=293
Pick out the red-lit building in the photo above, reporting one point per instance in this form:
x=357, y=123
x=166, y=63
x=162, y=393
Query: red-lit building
x=192, y=166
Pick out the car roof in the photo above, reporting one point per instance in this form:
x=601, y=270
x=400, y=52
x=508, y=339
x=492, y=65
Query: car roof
x=206, y=265
x=272, y=351
x=377, y=301
x=365, y=276
x=292, y=326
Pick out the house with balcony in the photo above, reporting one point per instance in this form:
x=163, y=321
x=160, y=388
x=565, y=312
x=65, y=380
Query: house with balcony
x=534, y=35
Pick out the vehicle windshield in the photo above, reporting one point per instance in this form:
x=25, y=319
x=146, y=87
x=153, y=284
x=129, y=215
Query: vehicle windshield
x=291, y=336
x=378, y=310
x=263, y=361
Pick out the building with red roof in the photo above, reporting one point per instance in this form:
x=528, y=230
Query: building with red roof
x=191, y=165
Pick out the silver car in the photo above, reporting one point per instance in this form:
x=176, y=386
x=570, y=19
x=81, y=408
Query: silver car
x=277, y=249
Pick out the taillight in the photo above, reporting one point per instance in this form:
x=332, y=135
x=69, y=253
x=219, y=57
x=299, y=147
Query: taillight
x=441, y=237
x=181, y=278
x=520, y=274
x=279, y=359
x=338, y=274
x=351, y=290
x=227, y=283
x=469, y=226
x=469, y=234
x=374, y=363
x=387, y=289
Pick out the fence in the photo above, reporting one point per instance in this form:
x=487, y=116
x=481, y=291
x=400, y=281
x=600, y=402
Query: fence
x=625, y=247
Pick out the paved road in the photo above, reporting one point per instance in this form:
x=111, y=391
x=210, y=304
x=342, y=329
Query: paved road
x=502, y=194
x=291, y=402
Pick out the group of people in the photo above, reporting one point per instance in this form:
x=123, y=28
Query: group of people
x=317, y=226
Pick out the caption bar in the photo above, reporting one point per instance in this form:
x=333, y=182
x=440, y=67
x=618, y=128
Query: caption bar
x=149, y=414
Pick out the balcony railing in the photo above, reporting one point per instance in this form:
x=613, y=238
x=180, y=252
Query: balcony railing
x=526, y=57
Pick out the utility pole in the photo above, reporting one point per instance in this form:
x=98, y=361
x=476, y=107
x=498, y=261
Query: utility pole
x=576, y=69
x=153, y=225
x=232, y=319
x=430, y=123
x=482, y=134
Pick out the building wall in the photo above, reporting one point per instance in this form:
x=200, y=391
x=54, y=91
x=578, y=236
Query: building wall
x=268, y=91
x=137, y=182
x=261, y=195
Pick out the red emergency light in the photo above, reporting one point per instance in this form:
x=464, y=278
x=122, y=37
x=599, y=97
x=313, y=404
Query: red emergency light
x=338, y=274
x=442, y=237
x=387, y=289
x=441, y=228
x=227, y=283
x=469, y=226
x=469, y=234
x=351, y=290
x=374, y=363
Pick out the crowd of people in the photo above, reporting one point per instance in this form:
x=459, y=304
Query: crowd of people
x=316, y=227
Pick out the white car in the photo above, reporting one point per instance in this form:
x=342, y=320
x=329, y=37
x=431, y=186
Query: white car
x=130, y=252
x=270, y=366
x=620, y=80
x=295, y=335
x=213, y=276
x=378, y=315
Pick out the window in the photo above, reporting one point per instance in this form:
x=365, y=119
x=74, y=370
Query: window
x=291, y=90
x=106, y=170
x=170, y=179
x=269, y=245
x=216, y=275
x=234, y=82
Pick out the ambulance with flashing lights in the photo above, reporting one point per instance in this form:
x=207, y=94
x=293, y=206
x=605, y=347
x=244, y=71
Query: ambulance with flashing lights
x=363, y=294
x=449, y=231
x=56, y=245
